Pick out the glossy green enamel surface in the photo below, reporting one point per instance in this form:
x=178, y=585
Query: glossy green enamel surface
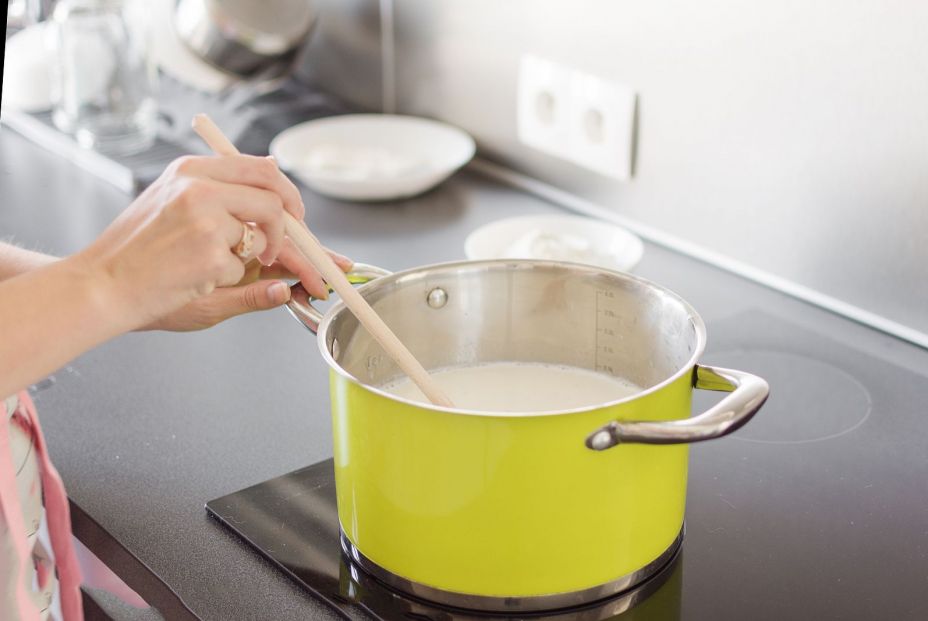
x=505, y=506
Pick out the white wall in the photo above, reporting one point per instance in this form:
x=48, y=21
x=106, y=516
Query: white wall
x=791, y=135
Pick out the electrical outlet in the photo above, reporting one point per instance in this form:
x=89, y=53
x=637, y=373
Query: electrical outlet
x=601, y=125
x=542, y=104
x=576, y=116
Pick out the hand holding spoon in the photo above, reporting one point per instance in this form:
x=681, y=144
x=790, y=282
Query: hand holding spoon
x=333, y=275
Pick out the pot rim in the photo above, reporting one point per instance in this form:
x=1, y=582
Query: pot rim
x=339, y=307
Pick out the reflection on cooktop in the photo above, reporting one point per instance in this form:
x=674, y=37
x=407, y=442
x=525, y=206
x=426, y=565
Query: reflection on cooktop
x=292, y=521
x=816, y=509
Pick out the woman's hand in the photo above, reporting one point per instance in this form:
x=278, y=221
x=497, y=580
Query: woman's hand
x=166, y=261
x=172, y=248
x=260, y=289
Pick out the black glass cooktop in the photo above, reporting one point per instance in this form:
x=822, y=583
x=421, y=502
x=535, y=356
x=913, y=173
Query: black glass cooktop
x=817, y=509
x=292, y=521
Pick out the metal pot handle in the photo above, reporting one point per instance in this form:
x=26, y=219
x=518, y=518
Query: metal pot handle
x=748, y=393
x=301, y=303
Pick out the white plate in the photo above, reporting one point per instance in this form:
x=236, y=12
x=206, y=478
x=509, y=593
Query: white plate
x=370, y=157
x=557, y=238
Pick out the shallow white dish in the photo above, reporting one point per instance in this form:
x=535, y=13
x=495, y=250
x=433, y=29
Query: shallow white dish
x=372, y=157
x=558, y=238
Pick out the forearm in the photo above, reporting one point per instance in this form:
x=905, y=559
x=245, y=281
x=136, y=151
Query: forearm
x=50, y=315
x=15, y=261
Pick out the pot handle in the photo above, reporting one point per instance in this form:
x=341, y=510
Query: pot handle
x=301, y=303
x=748, y=394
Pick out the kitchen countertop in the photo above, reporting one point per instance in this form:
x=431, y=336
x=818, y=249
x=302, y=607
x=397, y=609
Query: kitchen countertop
x=148, y=427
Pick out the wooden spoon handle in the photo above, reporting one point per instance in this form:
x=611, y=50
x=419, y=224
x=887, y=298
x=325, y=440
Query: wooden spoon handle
x=317, y=255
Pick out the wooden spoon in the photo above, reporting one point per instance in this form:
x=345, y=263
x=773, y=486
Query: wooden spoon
x=316, y=254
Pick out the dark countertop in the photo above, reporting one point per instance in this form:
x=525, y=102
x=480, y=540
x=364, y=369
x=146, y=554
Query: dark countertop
x=147, y=428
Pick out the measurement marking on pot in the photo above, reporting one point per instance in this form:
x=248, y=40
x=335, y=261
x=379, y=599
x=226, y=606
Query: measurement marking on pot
x=608, y=330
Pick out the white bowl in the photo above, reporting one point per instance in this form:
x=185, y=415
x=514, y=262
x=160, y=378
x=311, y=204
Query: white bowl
x=558, y=238
x=371, y=157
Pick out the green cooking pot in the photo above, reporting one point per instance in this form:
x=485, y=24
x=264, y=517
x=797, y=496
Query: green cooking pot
x=498, y=511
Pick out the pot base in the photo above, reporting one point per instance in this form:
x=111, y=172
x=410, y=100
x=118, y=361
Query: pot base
x=487, y=603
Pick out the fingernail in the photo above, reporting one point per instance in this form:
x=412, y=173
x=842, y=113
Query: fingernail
x=278, y=292
x=272, y=158
x=342, y=258
x=324, y=296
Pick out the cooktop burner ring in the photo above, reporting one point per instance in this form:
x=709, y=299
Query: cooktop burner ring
x=527, y=604
x=811, y=399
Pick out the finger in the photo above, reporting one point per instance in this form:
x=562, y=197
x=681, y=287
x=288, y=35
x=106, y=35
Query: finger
x=291, y=191
x=258, y=243
x=253, y=271
x=232, y=301
x=233, y=232
x=343, y=262
x=249, y=204
x=277, y=270
x=231, y=271
x=250, y=170
x=291, y=258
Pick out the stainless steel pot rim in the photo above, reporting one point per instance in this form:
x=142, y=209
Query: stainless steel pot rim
x=419, y=273
x=533, y=603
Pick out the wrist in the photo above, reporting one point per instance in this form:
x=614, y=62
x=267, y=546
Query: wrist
x=110, y=300
x=15, y=261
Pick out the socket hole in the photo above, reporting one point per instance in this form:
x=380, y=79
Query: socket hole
x=544, y=107
x=593, y=123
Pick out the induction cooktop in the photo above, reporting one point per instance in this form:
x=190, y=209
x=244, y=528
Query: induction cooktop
x=817, y=509
x=291, y=520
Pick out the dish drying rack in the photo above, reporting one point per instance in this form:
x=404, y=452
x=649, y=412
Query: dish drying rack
x=250, y=112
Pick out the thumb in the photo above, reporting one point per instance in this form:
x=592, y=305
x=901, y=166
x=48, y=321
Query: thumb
x=260, y=295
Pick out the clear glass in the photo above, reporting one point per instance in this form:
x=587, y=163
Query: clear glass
x=105, y=79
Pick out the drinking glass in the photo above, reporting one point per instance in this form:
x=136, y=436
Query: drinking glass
x=104, y=78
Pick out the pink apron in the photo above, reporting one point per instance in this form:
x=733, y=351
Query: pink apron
x=15, y=556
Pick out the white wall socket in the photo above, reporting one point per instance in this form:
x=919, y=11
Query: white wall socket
x=541, y=108
x=576, y=116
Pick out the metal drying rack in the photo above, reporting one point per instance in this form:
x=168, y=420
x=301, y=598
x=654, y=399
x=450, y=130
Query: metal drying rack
x=251, y=114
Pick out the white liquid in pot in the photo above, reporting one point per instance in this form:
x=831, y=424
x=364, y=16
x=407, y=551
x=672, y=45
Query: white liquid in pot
x=520, y=387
